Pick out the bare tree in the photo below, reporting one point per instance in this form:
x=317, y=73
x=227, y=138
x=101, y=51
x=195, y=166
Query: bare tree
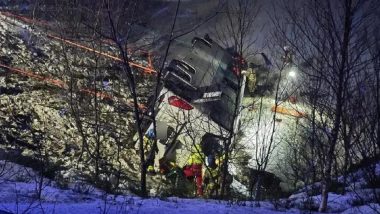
x=329, y=33
x=87, y=32
x=239, y=35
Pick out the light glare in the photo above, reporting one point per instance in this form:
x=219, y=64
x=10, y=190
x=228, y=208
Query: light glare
x=292, y=73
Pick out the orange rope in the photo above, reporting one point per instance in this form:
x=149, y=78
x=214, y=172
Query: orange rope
x=55, y=82
x=146, y=69
x=150, y=63
x=61, y=84
x=98, y=94
x=25, y=19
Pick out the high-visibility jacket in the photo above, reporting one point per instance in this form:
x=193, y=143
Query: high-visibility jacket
x=251, y=80
x=211, y=175
x=196, y=156
x=146, y=140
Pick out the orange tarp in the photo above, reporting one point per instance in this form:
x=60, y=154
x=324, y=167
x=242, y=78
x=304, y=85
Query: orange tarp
x=287, y=111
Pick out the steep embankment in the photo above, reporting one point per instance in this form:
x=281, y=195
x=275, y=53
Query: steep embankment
x=63, y=107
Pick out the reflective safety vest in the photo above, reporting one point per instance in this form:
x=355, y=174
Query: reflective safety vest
x=251, y=80
x=212, y=174
x=196, y=156
x=148, y=143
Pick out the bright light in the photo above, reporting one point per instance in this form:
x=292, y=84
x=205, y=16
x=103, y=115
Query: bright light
x=292, y=73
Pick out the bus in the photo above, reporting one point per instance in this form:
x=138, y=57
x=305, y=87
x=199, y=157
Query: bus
x=201, y=95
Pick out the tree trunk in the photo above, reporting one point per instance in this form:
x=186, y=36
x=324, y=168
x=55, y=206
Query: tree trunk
x=141, y=144
x=258, y=187
x=136, y=110
x=324, y=196
x=339, y=104
x=224, y=171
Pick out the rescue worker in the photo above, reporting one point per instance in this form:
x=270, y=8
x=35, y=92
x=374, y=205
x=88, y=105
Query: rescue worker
x=212, y=150
x=150, y=152
x=251, y=81
x=170, y=169
x=167, y=166
x=211, y=178
x=193, y=167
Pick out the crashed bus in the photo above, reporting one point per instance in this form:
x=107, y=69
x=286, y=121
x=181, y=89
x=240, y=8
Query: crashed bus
x=199, y=101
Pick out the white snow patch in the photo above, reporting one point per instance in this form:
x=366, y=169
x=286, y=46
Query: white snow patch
x=18, y=195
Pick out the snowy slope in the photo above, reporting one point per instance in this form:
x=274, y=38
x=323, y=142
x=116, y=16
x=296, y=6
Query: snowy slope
x=18, y=186
x=135, y=205
x=359, y=197
x=18, y=190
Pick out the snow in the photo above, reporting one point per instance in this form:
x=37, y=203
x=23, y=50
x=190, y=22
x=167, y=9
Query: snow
x=258, y=139
x=358, y=198
x=368, y=209
x=134, y=205
x=17, y=197
x=18, y=186
x=336, y=203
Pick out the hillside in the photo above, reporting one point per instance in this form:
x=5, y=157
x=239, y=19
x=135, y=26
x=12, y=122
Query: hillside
x=291, y=130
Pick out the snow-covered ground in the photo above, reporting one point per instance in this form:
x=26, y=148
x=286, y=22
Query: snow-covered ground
x=136, y=205
x=257, y=135
x=359, y=198
x=19, y=185
x=18, y=190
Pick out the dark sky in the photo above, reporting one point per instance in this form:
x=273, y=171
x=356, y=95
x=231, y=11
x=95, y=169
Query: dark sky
x=192, y=12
